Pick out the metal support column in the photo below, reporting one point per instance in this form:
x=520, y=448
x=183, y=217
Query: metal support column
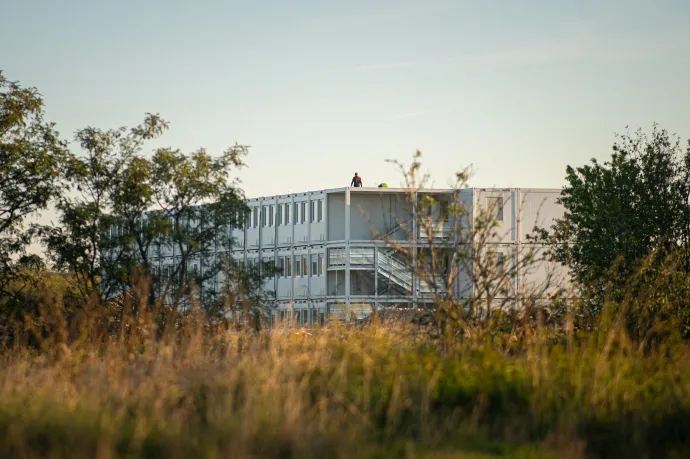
x=517, y=223
x=347, y=246
x=413, y=278
x=376, y=275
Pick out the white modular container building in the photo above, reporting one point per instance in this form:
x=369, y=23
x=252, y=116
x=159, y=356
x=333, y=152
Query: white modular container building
x=331, y=259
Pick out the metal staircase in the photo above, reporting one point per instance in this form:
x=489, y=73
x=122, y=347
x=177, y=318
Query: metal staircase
x=398, y=233
x=399, y=275
x=394, y=272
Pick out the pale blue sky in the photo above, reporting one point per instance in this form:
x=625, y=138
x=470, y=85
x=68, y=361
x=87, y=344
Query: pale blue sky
x=320, y=89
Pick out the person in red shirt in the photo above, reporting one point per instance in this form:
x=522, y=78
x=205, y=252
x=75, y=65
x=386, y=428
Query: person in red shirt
x=356, y=181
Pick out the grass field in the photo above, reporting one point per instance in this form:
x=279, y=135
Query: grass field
x=381, y=390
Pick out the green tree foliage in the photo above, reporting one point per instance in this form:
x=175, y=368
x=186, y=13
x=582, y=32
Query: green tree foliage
x=200, y=203
x=118, y=211
x=125, y=209
x=105, y=188
x=243, y=290
x=32, y=290
x=628, y=211
x=31, y=156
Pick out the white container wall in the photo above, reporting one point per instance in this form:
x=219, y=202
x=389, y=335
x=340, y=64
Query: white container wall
x=328, y=250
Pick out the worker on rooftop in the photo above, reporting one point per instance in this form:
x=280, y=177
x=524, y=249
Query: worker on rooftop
x=356, y=181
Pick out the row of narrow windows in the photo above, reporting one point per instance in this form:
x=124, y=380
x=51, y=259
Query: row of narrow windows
x=282, y=214
x=299, y=317
x=266, y=216
x=306, y=265
x=300, y=265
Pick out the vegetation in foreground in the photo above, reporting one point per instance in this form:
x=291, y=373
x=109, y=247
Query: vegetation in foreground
x=181, y=386
x=85, y=377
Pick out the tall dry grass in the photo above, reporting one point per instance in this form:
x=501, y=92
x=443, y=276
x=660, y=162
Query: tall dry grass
x=155, y=386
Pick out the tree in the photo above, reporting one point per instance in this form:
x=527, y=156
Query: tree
x=104, y=187
x=457, y=267
x=125, y=210
x=622, y=211
x=201, y=202
x=31, y=157
x=242, y=290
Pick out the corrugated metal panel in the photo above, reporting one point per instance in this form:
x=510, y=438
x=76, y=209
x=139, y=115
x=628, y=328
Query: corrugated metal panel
x=541, y=276
x=252, y=238
x=538, y=208
x=513, y=212
x=489, y=200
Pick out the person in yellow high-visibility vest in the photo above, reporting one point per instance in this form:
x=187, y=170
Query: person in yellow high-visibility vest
x=383, y=185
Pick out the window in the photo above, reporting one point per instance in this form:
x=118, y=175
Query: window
x=361, y=256
x=320, y=270
x=312, y=213
x=298, y=266
x=443, y=209
x=305, y=266
x=287, y=214
x=336, y=257
x=495, y=207
x=255, y=217
x=266, y=267
x=279, y=215
x=304, y=212
x=264, y=212
x=314, y=264
x=270, y=215
x=296, y=213
x=250, y=265
x=320, y=210
x=285, y=266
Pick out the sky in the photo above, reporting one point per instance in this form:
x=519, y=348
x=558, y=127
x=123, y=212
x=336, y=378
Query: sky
x=517, y=90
